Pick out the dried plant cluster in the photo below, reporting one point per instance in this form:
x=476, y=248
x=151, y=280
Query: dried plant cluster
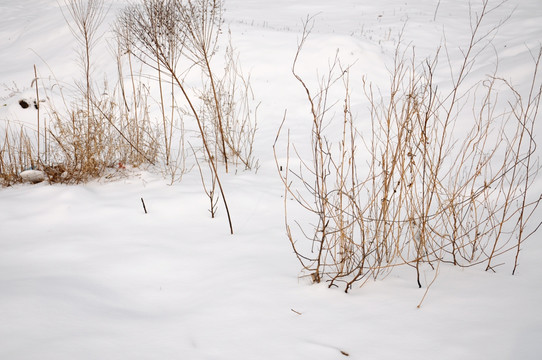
x=97, y=128
x=173, y=37
x=433, y=181
x=16, y=152
x=161, y=47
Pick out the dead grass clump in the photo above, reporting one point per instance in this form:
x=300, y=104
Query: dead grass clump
x=159, y=44
x=17, y=153
x=175, y=39
x=440, y=183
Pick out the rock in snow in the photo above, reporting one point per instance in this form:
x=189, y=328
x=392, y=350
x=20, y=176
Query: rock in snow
x=33, y=176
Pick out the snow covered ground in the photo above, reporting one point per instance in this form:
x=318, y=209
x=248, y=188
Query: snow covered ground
x=86, y=274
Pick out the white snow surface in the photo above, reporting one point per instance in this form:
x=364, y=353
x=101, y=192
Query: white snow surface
x=86, y=274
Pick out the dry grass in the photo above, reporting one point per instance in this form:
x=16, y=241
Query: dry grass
x=176, y=38
x=16, y=153
x=425, y=194
x=84, y=129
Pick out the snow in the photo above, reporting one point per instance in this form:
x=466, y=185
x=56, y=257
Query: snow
x=86, y=274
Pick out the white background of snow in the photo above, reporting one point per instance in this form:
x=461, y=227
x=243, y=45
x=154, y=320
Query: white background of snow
x=85, y=274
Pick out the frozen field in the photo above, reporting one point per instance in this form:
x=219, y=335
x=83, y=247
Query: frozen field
x=86, y=274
